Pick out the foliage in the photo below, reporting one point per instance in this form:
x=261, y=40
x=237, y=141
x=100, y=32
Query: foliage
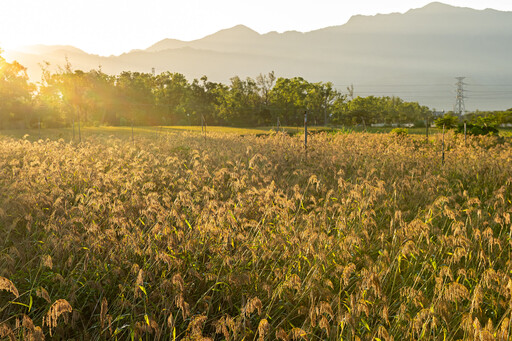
x=482, y=125
x=447, y=121
x=400, y=132
x=388, y=110
x=244, y=238
x=490, y=118
x=420, y=123
x=476, y=129
x=94, y=98
x=15, y=95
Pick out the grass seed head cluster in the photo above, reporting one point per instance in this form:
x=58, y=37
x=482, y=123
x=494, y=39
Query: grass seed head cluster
x=244, y=238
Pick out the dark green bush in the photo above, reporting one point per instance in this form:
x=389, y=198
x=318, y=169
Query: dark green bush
x=476, y=130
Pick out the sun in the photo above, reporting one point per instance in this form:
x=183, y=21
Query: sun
x=8, y=46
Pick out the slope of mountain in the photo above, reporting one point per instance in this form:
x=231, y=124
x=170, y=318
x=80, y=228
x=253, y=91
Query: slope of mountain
x=414, y=55
x=49, y=49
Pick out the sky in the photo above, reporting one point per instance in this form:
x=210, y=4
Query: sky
x=111, y=27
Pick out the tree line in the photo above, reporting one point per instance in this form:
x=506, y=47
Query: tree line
x=95, y=98
x=476, y=123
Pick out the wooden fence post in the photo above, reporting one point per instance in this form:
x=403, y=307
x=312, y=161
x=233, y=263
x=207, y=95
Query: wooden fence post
x=306, y=132
x=442, y=158
x=465, y=138
x=203, y=124
x=427, y=126
x=79, y=131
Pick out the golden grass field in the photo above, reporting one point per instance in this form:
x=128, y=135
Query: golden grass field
x=369, y=237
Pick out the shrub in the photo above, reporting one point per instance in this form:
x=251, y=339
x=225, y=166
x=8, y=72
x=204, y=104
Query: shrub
x=477, y=130
x=448, y=121
x=400, y=132
x=420, y=124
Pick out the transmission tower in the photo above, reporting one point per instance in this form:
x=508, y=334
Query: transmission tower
x=460, y=108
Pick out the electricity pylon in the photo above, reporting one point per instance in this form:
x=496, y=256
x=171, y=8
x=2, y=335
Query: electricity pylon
x=460, y=108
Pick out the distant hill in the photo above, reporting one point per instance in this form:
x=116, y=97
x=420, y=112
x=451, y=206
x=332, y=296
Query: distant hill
x=414, y=55
x=53, y=49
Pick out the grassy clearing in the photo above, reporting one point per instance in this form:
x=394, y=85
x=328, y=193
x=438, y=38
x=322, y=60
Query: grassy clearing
x=385, y=130
x=148, y=132
x=121, y=132
x=158, y=131
x=216, y=129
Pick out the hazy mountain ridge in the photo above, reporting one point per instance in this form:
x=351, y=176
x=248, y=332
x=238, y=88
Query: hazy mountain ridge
x=425, y=46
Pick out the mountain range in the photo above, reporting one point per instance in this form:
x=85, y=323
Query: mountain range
x=415, y=55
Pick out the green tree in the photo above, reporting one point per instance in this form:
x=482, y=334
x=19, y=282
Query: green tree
x=288, y=97
x=240, y=103
x=172, y=95
x=48, y=102
x=364, y=110
x=101, y=96
x=448, y=121
x=265, y=83
x=319, y=101
x=204, y=99
x=135, y=99
x=15, y=95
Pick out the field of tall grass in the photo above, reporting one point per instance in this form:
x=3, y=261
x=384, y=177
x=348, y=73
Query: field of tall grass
x=369, y=237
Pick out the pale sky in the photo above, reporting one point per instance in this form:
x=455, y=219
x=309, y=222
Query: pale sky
x=108, y=27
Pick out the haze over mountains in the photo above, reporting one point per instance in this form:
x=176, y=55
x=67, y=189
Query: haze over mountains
x=415, y=55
